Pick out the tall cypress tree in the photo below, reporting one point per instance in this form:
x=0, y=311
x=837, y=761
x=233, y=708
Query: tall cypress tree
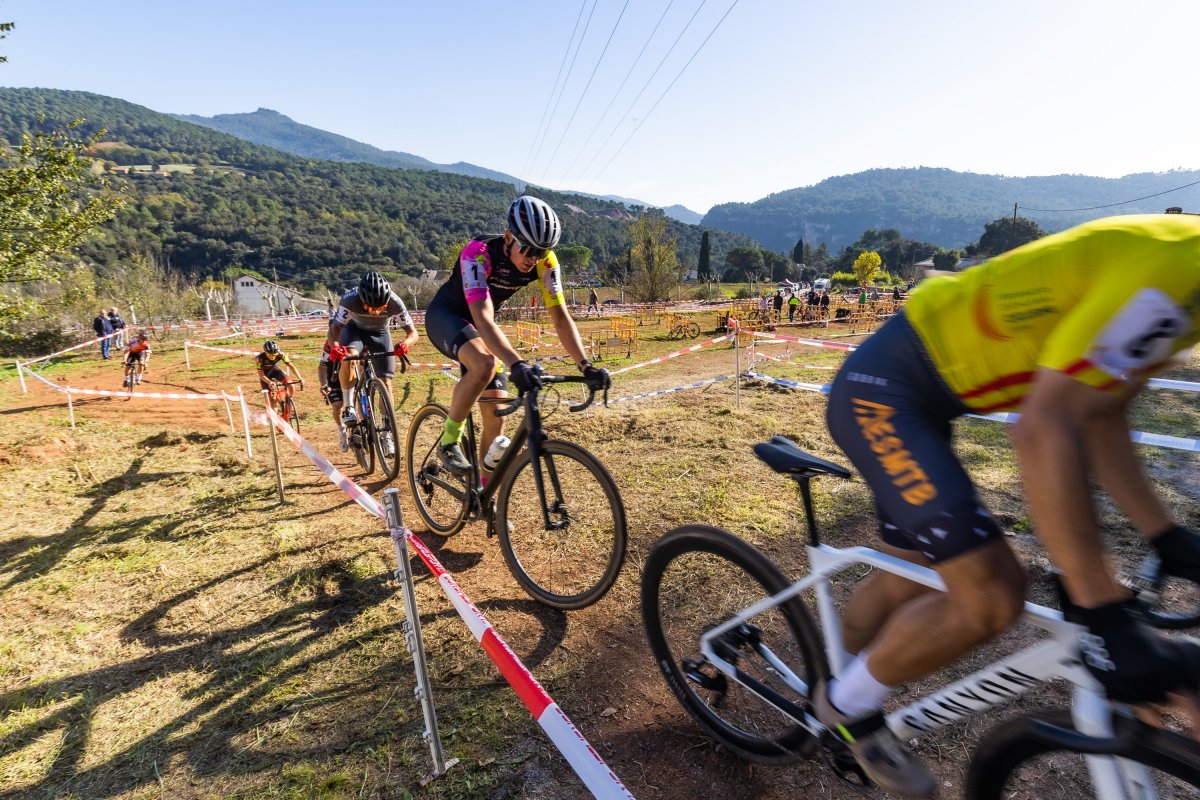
x=704, y=267
x=798, y=252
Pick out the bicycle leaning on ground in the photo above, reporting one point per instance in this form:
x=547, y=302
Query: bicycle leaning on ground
x=280, y=394
x=684, y=328
x=564, y=540
x=739, y=649
x=374, y=433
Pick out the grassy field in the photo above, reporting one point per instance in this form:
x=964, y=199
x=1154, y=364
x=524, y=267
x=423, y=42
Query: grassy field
x=170, y=630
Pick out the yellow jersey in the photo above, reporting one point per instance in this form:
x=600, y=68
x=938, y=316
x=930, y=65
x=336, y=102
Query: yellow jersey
x=1108, y=302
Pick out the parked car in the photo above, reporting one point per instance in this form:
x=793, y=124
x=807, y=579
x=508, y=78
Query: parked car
x=611, y=302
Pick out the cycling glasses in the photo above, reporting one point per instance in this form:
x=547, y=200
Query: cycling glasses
x=375, y=310
x=529, y=250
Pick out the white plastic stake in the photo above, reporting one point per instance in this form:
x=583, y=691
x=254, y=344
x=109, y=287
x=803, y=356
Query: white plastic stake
x=71, y=410
x=245, y=422
x=187, y=358
x=228, y=412
x=21, y=378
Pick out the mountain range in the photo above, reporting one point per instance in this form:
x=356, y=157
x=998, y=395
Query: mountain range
x=273, y=129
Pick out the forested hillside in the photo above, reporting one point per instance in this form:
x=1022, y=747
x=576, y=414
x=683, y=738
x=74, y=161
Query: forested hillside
x=941, y=206
x=244, y=206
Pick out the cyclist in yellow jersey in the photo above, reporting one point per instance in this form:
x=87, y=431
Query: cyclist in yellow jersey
x=461, y=324
x=1066, y=330
x=271, y=363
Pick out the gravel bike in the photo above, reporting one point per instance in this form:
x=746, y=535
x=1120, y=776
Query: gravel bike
x=738, y=647
x=373, y=433
x=281, y=398
x=563, y=533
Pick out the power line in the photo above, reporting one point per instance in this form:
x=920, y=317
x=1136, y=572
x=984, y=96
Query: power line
x=646, y=85
x=566, y=80
x=665, y=91
x=624, y=80
x=587, y=86
x=529, y=156
x=1110, y=205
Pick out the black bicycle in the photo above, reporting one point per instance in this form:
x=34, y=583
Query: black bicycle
x=564, y=537
x=374, y=433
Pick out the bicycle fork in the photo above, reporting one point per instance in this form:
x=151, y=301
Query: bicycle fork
x=558, y=506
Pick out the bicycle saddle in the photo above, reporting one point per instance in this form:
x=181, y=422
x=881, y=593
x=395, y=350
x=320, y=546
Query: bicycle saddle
x=782, y=455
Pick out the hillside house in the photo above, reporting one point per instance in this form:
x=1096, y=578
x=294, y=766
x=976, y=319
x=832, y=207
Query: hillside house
x=251, y=296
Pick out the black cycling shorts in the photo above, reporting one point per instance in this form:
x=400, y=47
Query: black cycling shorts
x=891, y=412
x=378, y=342
x=272, y=374
x=448, y=331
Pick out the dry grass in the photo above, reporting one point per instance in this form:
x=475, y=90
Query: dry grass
x=169, y=631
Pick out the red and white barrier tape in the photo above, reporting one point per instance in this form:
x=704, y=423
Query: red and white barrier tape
x=809, y=342
x=583, y=758
x=242, y=352
x=97, y=340
x=676, y=354
x=115, y=393
x=760, y=354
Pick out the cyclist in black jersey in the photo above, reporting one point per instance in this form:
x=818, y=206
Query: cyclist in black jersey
x=361, y=325
x=461, y=324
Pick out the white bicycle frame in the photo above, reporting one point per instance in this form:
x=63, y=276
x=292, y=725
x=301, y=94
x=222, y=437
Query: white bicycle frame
x=999, y=682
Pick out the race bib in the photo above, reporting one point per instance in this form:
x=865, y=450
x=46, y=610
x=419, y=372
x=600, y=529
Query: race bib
x=1141, y=334
x=550, y=281
x=474, y=276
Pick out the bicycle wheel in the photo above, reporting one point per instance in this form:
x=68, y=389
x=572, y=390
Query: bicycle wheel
x=693, y=330
x=290, y=414
x=572, y=562
x=442, y=499
x=1018, y=761
x=697, y=577
x=387, y=435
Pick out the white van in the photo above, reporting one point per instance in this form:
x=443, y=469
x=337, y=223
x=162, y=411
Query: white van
x=821, y=284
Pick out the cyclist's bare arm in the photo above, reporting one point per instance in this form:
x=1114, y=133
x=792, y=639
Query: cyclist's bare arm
x=483, y=314
x=295, y=372
x=410, y=336
x=1053, y=443
x=568, y=334
x=335, y=333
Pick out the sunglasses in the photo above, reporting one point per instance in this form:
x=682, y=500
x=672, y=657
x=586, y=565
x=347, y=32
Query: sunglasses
x=375, y=310
x=529, y=250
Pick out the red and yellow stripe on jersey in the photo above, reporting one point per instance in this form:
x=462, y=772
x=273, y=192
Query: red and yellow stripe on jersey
x=1108, y=302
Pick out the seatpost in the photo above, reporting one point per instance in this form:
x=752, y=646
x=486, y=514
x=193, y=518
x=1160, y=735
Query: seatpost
x=804, y=479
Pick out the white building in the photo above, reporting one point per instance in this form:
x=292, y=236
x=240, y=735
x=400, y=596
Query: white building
x=254, y=296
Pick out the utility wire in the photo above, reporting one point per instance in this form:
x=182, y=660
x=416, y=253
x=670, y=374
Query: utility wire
x=617, y=93
x=586, y=86
x=665, y=91
x=643, y=90
x=566, y=80
x=529, y=156
x=1110, y=205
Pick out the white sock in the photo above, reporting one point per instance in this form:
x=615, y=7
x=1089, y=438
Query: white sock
x=855, y=692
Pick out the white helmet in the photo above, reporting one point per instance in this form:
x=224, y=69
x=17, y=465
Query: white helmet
x=533, y=222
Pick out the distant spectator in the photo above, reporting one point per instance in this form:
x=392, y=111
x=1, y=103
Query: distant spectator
x=593, y=302
x=118, y=326
x=862, y=296
x=103, y=328
x=777, y=301
x=793, y=301
x=763, y=304
x=824, y=301
x=896, y=295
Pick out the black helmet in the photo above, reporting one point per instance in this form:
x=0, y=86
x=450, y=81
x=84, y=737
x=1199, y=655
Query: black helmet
x=374, y=289
x=270, y=348
x=533, y=222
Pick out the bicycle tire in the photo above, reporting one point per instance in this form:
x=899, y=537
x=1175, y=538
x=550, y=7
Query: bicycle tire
x=693, y=330
x=290, y=414
x=441, y=499
x=1003, y=752
x=575, y=565
x=383, y=422
x=688, y=573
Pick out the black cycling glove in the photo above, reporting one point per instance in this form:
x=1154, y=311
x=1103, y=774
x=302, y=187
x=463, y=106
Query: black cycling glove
x=1179, y=550
x=1131, y=661
x=596, y=378
x=525, y=376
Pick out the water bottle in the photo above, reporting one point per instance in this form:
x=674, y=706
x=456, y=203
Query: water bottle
x=492, y=458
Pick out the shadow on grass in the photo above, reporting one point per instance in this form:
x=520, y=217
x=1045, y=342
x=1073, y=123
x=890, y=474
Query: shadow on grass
x=248, y=694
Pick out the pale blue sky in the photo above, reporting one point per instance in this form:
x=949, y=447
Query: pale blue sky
x=784, y=93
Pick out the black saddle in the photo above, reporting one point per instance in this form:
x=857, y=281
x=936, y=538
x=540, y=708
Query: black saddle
x=782, y=455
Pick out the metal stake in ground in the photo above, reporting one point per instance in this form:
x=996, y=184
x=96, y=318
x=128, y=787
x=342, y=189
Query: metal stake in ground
x=274, y=448
x=412, y=634
x=245, y=423
x=21, y=378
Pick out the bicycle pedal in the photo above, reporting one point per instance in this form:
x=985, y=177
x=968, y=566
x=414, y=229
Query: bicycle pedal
x=842, y=764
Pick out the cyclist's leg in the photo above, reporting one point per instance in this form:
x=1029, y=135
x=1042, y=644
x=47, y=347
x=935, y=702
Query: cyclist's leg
x=352, y=339
x=455, y=337
x=493, y=426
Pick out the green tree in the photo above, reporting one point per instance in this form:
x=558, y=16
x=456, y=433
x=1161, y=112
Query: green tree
x=744, y=264
x=574, y=258
x=865, y=266
x=447, y=257
x=654, y=260
x=945, y=259
x=1004, y=234
x=798, y=252
x=704, y=270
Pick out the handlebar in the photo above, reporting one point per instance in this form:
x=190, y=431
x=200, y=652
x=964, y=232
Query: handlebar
x=547, y=379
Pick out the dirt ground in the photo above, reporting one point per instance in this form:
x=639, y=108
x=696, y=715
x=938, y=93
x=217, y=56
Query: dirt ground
x=215, y=644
